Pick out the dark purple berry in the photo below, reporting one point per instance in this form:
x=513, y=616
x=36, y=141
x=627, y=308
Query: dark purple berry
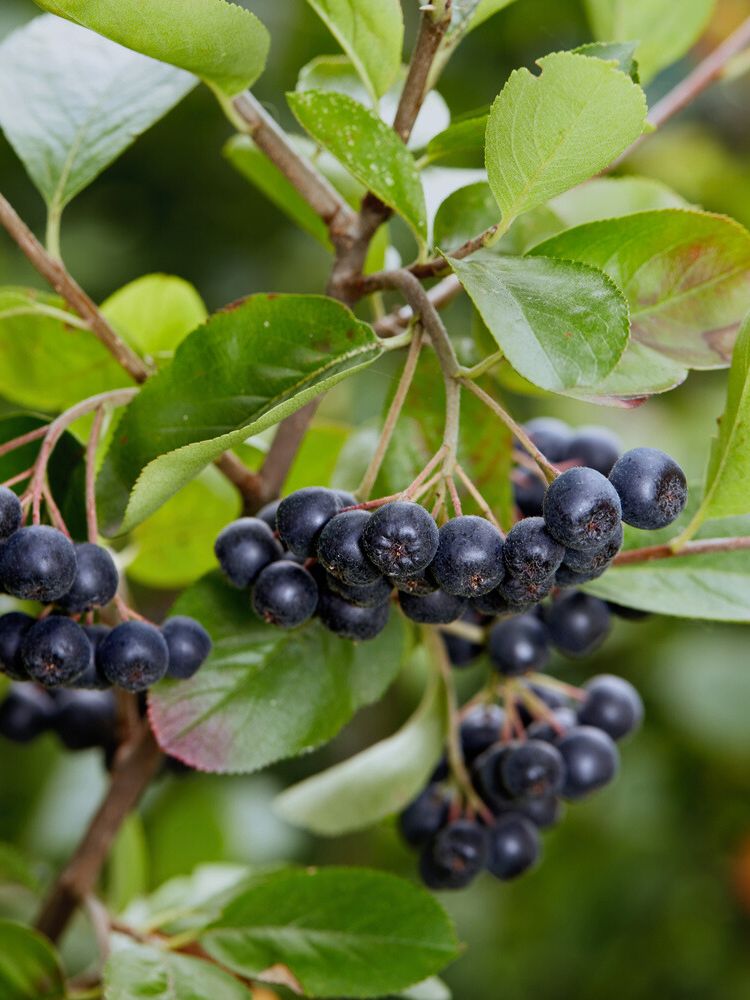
x=86, y=719
x=469, y=559
x=595, y=447
x=550, y=732
x=551, y=436
x=351, y=622
x=578, y=623
x=462, y=651
x=134, y=656
x=651, y=486
x=419, y=585
x=95, y=582
x=267, y=513
x=368, y=595
x=455, y=856
x=93, y=678
x=582, y=509
x=188, y=643
x=401, y=539
x=495, y=604
x=518, y=645
x=480, y=729
x=437, y=608
x=611, y=704
x=347, y=499
x=55, y=651
x=425, y=816
x=285, y=594
x=11, y=513
x=514, y=846
x=566, y=577
x=528, y=493
x=340, y=548
x=26, y=713
x=594, y=560
x=244, y=548
x=530, y=552
x=522, y=594
x=591, y=761
x=544, y=811
x=37, y=564
x=302, y=515
x=531, y=769
x=13, y=628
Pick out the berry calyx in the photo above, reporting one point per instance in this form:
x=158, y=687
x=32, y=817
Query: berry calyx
x=400, y=539
x=37, y=563
x=518, y=645
x=134, y=656
x=340, y=548
x=302, y=515
x=95, y=582
x=594, y=560
x=582, y=509
x=651, y=486
x=285, y=594
x=189, y=645
x=244, y=548
x=55, y=651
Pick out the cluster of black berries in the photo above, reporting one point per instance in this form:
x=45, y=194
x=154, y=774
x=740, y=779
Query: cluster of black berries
x=315, y=552
x=523, y=769
x=40, y=563
x=82, y=719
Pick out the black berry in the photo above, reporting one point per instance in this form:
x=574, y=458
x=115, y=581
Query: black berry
x=437, y=608
x=521, y=593
x=11, y=513
x=302, y=515
x=611, y=704
x=401, y=539
x=532, y=768
x=425, y=816
x=92, y=678
x=267, y=513
x=554, y=726
x=480, y=729
x=26, y=713
x=13, y=627
x=285, y=594
x=551, y=436
x=244, y=548
x=469, y=558
x=543, y=811
x=651, y=486
x=582, y=509
x=514, y=846
x=494, y=604
x=518, y=645
x=347, y=499
x=530, y=552
x=37, y=564
x=85, y=719
x=578, y=623
x=595, y=447
x=188, y=643
x=419, y=585
x=594, y=560
x=455, y=856
x=349, y=621
x=462, y=651
x=55, y=651
x=528, y=493
x=134, y=655
x=591, y=761
x=368, y=595
x=95, y=582
x=567, y=577
x=340, y=548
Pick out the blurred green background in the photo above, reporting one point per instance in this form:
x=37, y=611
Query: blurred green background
x=644, y=891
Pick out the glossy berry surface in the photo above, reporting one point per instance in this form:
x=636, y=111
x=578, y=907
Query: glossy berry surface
x=11, y=513
x=188, y=643
x=368, y=595
x=55, y=651
x=582, y=509
x=566, y=577
x=85, y=719
x=551, y=436
x=455, y=856
x=514, y=846
x=95, y=582
x=419, y=584
x=578, y=623
x=425, y=816
x=480, y=729
x=351, y=622
x=134, y=656
x=244, y=548
x=651, y=486
x=591, y=761
x=302, y=515
x=437, y=608
x=493, y=604
x=25, y=713
x=518, y=645
x=285, y=594
x=469, y=558
x=13, y=627
x=37, y=564
x=532, y=768
x=611, y=704
x=267, y=513
x=92, y=678
x=401, y=539
x=340, y=548
x=528, y=493
x=595, y=447
x=530, y=552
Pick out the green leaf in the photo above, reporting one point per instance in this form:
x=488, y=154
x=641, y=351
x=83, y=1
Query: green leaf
x=377, y=782
x=46, y=364
x=264, y=693
x=623, y=53
x=459, y=139
x=685, y=274
x=611, y=197
x=29, y=966
x=368, y=148
x=174, y=547
x=666, y=29
x=138, y=971
x=639, y=373
x=727, y=490
x=255, y=166
x=559, y=324
x=482, y=9
x=336, y=931
x=463, y=215
x=68, y=119
x=713, y=586
x=155, y=313
x=16, y=869
x=222, y=43
x=372, y=35
x=243, y=371
x=548, y=133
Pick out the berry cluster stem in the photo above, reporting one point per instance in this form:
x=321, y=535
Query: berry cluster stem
x=91, y=449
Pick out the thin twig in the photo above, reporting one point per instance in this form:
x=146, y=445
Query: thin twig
x=455, y=499
x=23, y=439
x=91, y=449
x=431, y=33
x=19, y=478
x=440, y=295
x=53, y=510
x=477, y=496
x=697, y=548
